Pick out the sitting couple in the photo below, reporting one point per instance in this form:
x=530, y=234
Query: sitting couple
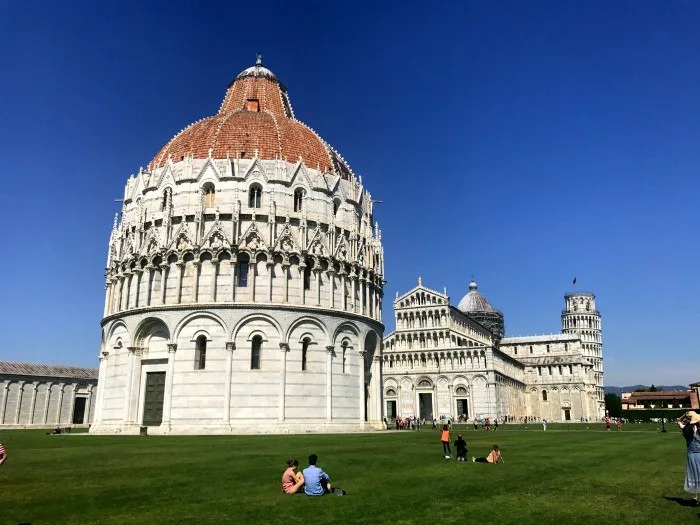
x=313, y=479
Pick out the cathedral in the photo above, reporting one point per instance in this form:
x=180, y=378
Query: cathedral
x=244, y=281
x=444, y=361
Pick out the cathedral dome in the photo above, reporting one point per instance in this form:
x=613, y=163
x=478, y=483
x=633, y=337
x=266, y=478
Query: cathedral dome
x=474, y=301
x=255, y=120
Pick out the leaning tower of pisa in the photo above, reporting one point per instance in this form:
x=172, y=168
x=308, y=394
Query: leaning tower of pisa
x=581, y=317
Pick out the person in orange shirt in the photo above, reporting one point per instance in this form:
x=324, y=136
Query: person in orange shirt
x=494, y=457
x=445, y=438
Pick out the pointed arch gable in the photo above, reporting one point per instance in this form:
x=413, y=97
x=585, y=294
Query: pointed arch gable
x=198, y=315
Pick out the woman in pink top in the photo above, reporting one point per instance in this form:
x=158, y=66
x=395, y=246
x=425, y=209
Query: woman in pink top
x=292, y=481
x=493, y=457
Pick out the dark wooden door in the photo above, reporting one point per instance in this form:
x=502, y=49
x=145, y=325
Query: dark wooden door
x=79, y=411
x=153, y=399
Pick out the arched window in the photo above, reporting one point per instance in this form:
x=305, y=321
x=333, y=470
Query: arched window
x=336, y=206
x=200, y=352
x=167, y=199
x=461, y=391
x=209, y=190
x=391, y=392
x=425, y=382
x=544, y=395
x=304, y=351
x=254, y=196
x=255, y=353
x=298, y=199
x=243, y=266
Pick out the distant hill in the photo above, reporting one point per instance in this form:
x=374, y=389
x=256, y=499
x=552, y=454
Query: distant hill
x=619, y=389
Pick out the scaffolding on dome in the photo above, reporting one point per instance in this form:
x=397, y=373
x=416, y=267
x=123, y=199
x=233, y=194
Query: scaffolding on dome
x=492, y=320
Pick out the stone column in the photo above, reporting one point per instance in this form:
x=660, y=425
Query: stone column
x=72, y=403
x=129, y=278
x=377, y=385
x=269, y=264
x=151, y=284
x=214, y=276
x=362, y=295
x=195, y=278
x=453, y=406
x=362, y=355
x=329, y=383
x=61, y=386
x=331, y=287
x=139, y=273
x=252, y=274
x=230, y=347
x=178, y=287
x=101, y=379
x=47, y=400
x=88, y=402
x=285, y=271
x=302, y=289
x=108, y=298
x=3, y=407
x=343, y=286
x=120, y=294
x=164, y=271
x=168, y=392
x=129, y=384
x=416, y=402
x=33, y=402
x=317, y=272
x=233, y=278
x=284, y=347
x=353, y=279
x=20, y=393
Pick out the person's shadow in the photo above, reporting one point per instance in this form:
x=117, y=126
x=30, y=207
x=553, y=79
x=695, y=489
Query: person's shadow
x=683, y=502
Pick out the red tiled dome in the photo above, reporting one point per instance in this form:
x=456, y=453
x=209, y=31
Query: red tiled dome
x=255, y=115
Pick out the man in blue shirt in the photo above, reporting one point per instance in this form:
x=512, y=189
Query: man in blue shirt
x=316, y=482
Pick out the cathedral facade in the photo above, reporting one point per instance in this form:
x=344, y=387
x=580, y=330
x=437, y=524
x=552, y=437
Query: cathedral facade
x=244, y=281
x=446, y=361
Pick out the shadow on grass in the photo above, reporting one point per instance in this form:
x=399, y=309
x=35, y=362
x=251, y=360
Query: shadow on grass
x=683, y=502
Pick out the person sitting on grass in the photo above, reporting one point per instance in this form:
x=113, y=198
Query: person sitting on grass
x=494, y=457
x=292, y=481
x=317, y=482
x=461, y=447
x=3, y=454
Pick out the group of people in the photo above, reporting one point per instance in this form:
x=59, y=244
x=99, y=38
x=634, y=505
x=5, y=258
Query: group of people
x=486, y=424
x=494, y=456
x=313, y=479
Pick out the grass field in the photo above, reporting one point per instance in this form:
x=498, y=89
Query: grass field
x=558, y=476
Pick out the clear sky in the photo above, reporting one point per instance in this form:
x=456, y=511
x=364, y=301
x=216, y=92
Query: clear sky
x=524, y=143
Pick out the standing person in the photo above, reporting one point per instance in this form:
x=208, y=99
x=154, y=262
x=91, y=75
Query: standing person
x=461, y=447
x=544, y=424
x=689, y=427
x=495, y=425
x=317, y=482
x=607, y=424
x=445, y=438
x=434, y=423
x=476, y=424
x=493, y=457
x=3, y=454
x=291, y=479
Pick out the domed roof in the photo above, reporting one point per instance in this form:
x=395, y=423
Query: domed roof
x=255, y=119
x=474, y=301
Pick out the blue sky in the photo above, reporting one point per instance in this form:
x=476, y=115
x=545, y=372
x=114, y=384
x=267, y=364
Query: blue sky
x=522, y=142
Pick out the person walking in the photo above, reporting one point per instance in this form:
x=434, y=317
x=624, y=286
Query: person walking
x=688, y=424
x=544, y=424
x=476, y=424
x=445, y=438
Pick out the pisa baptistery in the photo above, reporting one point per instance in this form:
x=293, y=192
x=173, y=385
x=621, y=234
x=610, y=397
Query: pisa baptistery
x=244, y=281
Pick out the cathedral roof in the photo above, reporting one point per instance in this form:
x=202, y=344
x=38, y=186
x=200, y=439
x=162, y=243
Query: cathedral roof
x=39, y=369
x=474, y=301
x=255, y=119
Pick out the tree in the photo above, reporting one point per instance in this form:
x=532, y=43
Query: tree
x=613, y=404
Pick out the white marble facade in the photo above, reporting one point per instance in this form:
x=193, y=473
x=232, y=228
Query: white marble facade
x=440, y=362
x=254, y=284
x=46, y=396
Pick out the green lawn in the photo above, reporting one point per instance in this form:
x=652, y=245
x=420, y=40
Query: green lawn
x=557, y=476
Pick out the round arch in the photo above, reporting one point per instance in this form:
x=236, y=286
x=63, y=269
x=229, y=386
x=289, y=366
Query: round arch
x=306, y=320
x=252, y=317
x=197, y=315
x=146, y=328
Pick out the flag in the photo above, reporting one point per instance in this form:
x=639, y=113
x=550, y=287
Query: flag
x=574, y=280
